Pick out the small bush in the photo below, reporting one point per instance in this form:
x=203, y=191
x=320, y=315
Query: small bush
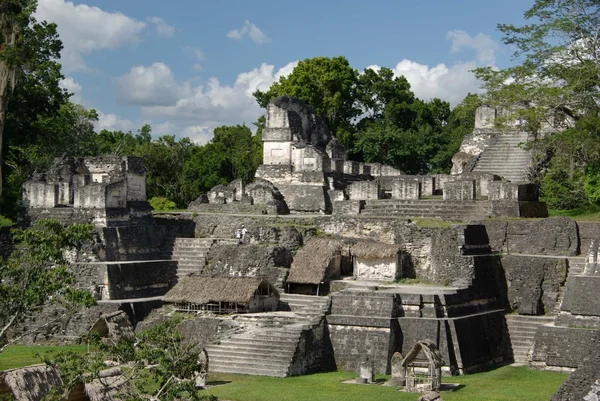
x=5, y=221
x=561, y=192
x=161, y=204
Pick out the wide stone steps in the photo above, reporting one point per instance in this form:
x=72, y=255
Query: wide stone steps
x=269, y=342
x=190, y=253
x=261, y=351
x=432, y=210
x=506, y=158
x=521, y=332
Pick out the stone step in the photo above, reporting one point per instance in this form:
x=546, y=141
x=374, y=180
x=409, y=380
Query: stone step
x=241, y=370
x=249, y=357
x=261, y=343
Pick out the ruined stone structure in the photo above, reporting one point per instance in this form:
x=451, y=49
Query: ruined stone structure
x=498, y=143
x=305, y=170
x=543, y=271
x=108, y=190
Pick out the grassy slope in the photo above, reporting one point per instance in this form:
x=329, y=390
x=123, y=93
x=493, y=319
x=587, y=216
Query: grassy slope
x=17, y=356
x=503, y=384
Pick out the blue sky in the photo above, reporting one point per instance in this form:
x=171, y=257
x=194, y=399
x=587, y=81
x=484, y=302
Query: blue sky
x=187, y=66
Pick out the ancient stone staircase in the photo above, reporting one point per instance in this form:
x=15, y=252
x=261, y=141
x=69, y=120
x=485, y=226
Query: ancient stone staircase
x=505, y=158
x=268, y=343
x=521, y=332
x=441, y=209
x=190, y=253
x=576, y=267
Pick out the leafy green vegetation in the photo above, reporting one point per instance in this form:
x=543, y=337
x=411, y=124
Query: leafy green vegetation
x=5, y=221
x=556, y=80
x=161, y=204
x=502, y=384
x=37, y=274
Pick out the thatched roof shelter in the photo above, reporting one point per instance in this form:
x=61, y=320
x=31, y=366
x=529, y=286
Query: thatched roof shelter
x=113, y=326
x=30, y=383
x=374, y=250
x=106, y=387
x=202, y=289
x=431, y=351
x=313, y=262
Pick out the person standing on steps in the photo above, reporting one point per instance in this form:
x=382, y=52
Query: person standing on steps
x=238, y=236
x=243, y=232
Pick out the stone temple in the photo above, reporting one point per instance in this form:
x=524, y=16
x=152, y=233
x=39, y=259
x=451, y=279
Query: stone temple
x=329, y=245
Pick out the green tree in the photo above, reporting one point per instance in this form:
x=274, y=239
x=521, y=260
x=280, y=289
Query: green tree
x=37, y=274
x=232, y=153
x=28, y=54
x=328, y=84
x=160, y=364
x=165, y=158
x=558, y=75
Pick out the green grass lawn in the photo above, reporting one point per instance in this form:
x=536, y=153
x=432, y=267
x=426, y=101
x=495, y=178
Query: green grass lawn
x=17, y=356
x=502, y=384
x=506, y=383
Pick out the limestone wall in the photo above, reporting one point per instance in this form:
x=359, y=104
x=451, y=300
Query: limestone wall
x=130, y=280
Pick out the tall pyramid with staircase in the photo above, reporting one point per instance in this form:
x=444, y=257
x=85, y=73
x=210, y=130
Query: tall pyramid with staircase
x=502, y=152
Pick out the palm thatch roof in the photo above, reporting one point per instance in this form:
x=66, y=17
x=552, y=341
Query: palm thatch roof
x=431, y=351
x=30, y=383
x=113, y=325
x=312, y=263
x=374, y=250
x=201, y=289
x=106, y=387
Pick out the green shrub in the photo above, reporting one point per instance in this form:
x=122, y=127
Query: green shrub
x=592, y=183
x=561, y=192
x=5, y=221
x=161, y=204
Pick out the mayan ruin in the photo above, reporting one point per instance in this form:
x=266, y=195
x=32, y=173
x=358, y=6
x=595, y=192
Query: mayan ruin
x=184, y=219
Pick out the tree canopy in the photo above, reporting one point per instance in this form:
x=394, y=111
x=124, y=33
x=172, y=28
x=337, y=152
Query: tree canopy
x=558, y=74
x=375, y=115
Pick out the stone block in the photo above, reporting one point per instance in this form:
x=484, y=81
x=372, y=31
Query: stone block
x=238, y=189
x=504, y=190
x=348, y=207
x=440, y=182
x=581, y=297
x=306, y=198
x=427, y=185
x=375, y=169
x=364, y=169
x=219, y=193
x=336, y=195
x=363, y=190
x=459, y=190
x=351, y=168
x=38, y=194
x=406, y=188
x=389, y=171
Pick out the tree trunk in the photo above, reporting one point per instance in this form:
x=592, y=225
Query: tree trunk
x=4, y=84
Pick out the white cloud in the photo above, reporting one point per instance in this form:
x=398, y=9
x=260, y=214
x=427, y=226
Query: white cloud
x=196, y=52
x=162, y=27
x=154, y=85
x=450, y=83
x=84, y=29
x=447, y=83
x=112, y=122
x=194, y=111
x=251, y=31
x=73, y=87
x=484, y=46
